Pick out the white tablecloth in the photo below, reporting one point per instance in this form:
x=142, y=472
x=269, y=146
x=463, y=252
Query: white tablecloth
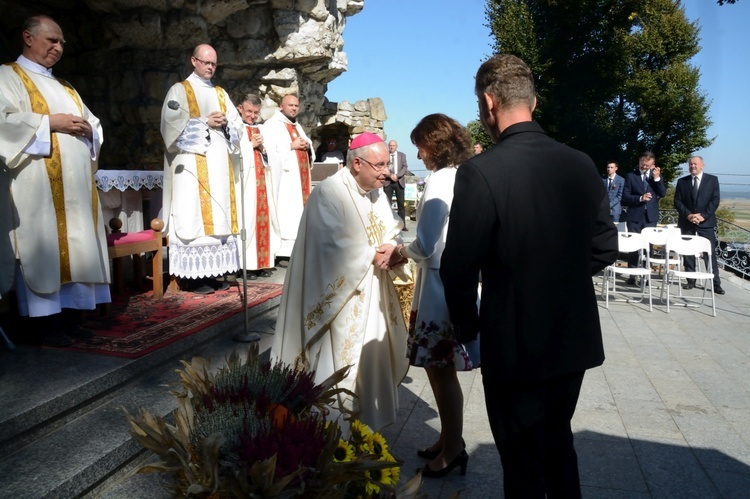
x=122, y=192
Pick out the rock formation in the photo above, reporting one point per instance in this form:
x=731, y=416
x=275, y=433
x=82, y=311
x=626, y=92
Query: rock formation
x=123, y=55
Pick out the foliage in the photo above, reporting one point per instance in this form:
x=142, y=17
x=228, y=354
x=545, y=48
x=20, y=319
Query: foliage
x=479, y=134
x=255, y=429
x=613, y=78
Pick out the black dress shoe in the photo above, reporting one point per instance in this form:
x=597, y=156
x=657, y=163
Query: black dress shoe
x=461, y=460
x=719, y=290
x=432, y=454
x=689, y=285
x=631, y=281
x=264, y=273
x=81, y=332
x=205, y=289
x=57, y=339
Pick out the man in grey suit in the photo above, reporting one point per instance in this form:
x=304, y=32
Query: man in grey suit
x=614, y=184
x=696, y=198
x=527, y=205
x=395, y=182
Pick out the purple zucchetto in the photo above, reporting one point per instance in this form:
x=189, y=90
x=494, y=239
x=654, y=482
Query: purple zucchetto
x=364, y=139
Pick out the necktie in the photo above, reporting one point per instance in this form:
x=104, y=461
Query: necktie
x=393, y=163
x=695, y=187
x=609, y=183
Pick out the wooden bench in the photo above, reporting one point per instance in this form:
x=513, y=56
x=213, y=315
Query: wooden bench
x=121, y=244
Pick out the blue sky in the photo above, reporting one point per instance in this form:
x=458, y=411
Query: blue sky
x=420, y=57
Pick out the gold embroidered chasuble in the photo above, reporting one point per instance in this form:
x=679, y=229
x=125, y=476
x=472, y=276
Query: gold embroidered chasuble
x=199, y=195
x=337, y=308
x=58, y=236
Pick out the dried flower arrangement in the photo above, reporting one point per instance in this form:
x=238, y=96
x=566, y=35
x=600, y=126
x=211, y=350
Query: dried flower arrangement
x=257, y=429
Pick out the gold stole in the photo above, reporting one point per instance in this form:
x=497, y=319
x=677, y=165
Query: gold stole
x=303, y=161
x=204, y=186
x=262, y=218
x=54, y=170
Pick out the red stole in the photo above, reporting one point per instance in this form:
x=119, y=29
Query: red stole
x=303, y=161
x=262, y=216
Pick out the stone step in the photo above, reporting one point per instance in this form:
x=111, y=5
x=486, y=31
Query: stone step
x=63, y=431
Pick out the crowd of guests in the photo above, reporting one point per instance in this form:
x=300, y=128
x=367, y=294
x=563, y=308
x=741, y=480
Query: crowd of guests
x=482, y=227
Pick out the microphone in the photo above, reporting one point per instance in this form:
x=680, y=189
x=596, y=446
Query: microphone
x=173, y=105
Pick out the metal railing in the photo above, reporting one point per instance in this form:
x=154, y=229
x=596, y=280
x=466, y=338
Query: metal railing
x=733, y=250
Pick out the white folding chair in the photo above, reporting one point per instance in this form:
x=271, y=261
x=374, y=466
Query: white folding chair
x=629, y=242
x=686, y=245
x=658, y=236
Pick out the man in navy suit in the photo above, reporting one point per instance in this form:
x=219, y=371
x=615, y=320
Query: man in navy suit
x=696, y=198
x=643, y=189
x=394, y=181
x=527, y=205
x=615, y=185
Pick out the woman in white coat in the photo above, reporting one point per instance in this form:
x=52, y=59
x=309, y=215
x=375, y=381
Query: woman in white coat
x=442, y=144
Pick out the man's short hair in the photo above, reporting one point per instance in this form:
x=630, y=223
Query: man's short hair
x=647, y=155
x=508, y=80
x=31, y=24
x=612, y=163
x=251, y=99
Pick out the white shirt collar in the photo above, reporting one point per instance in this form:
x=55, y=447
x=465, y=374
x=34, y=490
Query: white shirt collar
x=33, y=66
x=197, y=78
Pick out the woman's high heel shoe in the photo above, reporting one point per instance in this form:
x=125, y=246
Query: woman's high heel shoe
x=460, y=460
x=432, y=454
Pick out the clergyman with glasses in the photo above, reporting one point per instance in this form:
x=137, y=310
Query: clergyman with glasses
x=199, y=125
x=339, y=305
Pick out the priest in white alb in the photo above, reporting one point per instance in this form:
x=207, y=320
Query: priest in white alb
x=339, y=305
x=200, y=127
x=290, y=154
x=54, y=247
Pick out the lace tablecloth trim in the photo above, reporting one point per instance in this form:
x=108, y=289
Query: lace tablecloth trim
x=128, y=179
x=211, y=258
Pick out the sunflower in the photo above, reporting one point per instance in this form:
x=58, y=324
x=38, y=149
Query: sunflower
x=371, y=486
x=394, y=473
x=360, y=430
x=377, y=444
x=344, y=452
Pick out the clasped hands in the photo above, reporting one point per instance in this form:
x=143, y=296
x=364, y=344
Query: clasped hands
x=70, y=124
x=696, y=218
x=216, y=119
x=387, y=257
x=300, y=143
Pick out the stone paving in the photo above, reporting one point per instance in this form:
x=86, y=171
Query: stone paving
x=667, y=415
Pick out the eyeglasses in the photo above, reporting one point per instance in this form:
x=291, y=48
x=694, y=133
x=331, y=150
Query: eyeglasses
x=376, y=166
x=206, y=63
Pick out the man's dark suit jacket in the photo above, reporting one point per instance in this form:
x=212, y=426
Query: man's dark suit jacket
x=402, y=168
x=640, y=213
x=614, y=192
x=533, y=216
x=706, y=203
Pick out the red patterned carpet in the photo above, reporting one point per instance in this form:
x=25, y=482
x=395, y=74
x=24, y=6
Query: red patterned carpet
x=138, y=325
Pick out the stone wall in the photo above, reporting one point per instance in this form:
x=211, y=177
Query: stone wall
x=123, y=55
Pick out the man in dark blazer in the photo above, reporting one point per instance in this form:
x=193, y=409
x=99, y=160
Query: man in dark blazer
x=533, y=216
x=643, y=190
x=395, y=181
x=696, y=207
x=615, y=185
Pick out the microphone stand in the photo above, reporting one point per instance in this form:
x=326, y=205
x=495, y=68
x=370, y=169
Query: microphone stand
x=245, y=336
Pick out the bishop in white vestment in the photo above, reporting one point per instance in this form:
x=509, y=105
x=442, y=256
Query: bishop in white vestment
x=339, y=305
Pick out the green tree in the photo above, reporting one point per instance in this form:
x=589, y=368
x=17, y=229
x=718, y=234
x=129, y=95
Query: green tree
x=479, y=134
x=613, y=77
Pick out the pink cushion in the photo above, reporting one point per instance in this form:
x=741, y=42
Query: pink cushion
x=129, y=237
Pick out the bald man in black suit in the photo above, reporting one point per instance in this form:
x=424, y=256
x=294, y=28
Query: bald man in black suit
x=697, y=212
